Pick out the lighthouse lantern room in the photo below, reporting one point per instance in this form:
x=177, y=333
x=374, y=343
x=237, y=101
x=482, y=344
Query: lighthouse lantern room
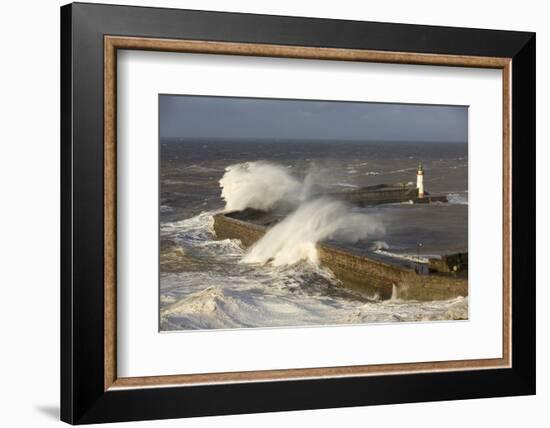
x=420, y=180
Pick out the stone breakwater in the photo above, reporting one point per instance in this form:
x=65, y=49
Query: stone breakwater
x=386, y=194
x=370, y=277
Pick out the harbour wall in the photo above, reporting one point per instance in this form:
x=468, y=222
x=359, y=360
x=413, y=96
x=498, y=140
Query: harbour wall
x=377, y=195
x=372, y=278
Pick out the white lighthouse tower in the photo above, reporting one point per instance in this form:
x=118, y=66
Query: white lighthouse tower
x=420, y=180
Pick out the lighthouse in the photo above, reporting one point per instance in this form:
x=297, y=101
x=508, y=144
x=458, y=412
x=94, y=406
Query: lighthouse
x=420, y=180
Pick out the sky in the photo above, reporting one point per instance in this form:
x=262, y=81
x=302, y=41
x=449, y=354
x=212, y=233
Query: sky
x=229, y=118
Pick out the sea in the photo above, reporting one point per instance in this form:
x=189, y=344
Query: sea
x=206, y=283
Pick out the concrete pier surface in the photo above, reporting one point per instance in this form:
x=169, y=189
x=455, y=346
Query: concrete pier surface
x=444, y=278
x=386, y=194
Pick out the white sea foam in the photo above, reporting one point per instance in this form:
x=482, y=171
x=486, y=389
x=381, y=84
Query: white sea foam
x=295, y=237
x=397, y=310
x=402, y=170
x=380, y=245
x=409, y=257
x=259, y=185
x=353, y=186
x=215, y=307
x=223, y=293
x=457, y=199
x=263, y=185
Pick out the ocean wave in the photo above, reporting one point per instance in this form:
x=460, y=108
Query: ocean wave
x=394, y=310
x=260, y=185
x=457, y=199
x=207, y=309
x=296, y=236
x=169, y=182
x=219, y=307
x=379, y=245
x=409, y=257
x=224, y=293
x=200, y=227
x=200, y=168
x=345, y=185
x=399, y=171
x=409, y=202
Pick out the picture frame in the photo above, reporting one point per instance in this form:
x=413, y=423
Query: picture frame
x=91, y=390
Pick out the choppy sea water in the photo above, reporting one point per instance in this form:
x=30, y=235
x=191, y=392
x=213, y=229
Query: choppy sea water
x=204, y=283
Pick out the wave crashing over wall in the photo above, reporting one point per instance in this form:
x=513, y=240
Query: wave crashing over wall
x=295, y=237
x=264, y=186
x=259, y=185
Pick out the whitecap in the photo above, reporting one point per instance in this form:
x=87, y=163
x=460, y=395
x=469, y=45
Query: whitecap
x=457, y=199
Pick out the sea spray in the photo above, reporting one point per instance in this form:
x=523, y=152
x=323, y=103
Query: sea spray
x=295, y=237
x=379, y=245
x=265, y=185
x=259, y=185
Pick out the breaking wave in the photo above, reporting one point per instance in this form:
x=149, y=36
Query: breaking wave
x=263, y=185
x=259, y=185
x=215, y=290
x=295, y=237
x=379, y=245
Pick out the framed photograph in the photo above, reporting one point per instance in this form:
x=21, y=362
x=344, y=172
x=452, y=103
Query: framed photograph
x=265, y=213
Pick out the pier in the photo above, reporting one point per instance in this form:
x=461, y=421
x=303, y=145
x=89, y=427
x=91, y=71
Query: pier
x=371, y=277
